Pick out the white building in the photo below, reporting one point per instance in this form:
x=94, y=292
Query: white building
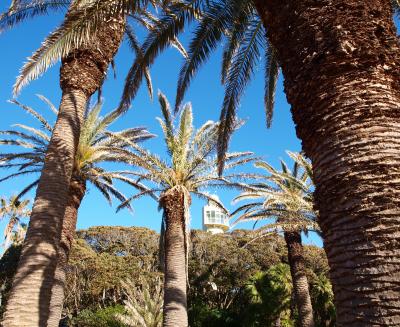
x=215, y=219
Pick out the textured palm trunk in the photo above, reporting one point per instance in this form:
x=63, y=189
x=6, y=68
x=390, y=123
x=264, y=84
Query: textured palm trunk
x=77, y=191
x=35, y=296
x=341, y=63
x=175, y=297
x=299, y=279
x=29, y=303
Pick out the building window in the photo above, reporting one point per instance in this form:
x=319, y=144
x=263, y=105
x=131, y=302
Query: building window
x=215, y=216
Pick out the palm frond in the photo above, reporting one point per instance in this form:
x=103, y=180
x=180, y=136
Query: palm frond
x=135, y=197
x=27, y=188
x=9, y=157
x=103, y=190
x=165, y=31
x=240, y=72
x=34, y=113
x=208, y=197
x=20, y=11
x=48, y=103
x=135, y=46
x=21, y=173
x=233, y=44
x=246, y=207
x=271, y=79
x=302, y=161
x=206, y=37
x=34, y=131
x=78, y=28
x=26, y=137
x=183, y=136
x=20, y=143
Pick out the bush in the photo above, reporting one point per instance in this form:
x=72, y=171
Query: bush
x=100, y=318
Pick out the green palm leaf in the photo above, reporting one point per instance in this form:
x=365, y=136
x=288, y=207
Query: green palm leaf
x=164, y=33
x=22, y=10
x=96, y=146
x=286, y=199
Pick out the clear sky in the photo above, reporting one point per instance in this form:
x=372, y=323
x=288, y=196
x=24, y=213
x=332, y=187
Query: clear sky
x=206, y=95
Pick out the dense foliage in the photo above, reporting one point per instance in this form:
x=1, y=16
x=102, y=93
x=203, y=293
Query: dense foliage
x=223, y=269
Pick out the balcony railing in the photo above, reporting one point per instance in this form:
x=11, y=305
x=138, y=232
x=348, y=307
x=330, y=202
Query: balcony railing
x=216, y=220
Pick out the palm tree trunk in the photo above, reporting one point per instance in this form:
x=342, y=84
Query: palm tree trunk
x=341, y=62
x=37, y=280
x=175, y=297
x=77, y=191
x=29, y=302
x=299, y=278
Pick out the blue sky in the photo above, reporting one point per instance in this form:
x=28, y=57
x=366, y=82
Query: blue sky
x=205, y=93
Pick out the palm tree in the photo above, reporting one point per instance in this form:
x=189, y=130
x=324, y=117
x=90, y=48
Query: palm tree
x=322, y=297
x=95, y=147
x=192, y=168
x=287, y=200
x=14, y=211
x=85, y=59
x=270, y=295
x=339, y=59
x=18, y=235
x=143, y=304
x=357, y=199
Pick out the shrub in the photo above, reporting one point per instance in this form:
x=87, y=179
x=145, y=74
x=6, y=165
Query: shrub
x=99, y=318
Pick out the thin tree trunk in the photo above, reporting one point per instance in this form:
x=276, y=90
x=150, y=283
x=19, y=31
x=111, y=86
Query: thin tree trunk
x=341, y=63
x=35, y=299
x=299, y=279
x=175, y=297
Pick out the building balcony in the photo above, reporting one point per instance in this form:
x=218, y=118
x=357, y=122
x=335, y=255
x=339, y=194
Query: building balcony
x=214, y=217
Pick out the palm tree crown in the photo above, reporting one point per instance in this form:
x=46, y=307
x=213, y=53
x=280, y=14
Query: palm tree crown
x=236, y=21
x=14, y=210
x=285, y=196
x=96, y=146
x=80, y=25
x=193, y=161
